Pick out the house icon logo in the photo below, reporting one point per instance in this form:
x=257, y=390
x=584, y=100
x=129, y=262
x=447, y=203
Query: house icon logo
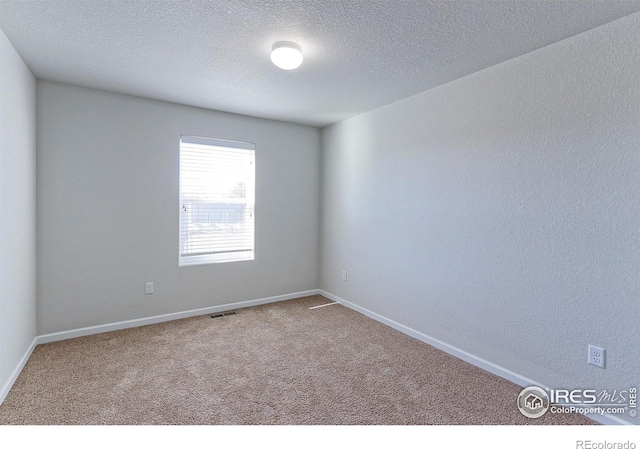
x=533, y=402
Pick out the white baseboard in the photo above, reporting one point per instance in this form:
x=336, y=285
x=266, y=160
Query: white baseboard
x=486, y=365
x=16, y=372
x=65, y=335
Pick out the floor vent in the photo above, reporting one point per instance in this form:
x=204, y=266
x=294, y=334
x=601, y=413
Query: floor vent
x=221, y=314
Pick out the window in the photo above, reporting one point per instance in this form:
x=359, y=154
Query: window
x=217, y=192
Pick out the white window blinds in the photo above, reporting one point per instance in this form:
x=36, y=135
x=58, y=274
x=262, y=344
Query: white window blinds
x=217, y=196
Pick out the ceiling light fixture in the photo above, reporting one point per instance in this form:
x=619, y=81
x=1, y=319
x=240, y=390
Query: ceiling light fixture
x=286, y=55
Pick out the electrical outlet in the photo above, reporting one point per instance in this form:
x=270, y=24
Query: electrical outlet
x=148, y=288
x=596, y=356
x=344, y=275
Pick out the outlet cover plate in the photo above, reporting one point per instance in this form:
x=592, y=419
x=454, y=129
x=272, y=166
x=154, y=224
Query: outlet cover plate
x=596, y=356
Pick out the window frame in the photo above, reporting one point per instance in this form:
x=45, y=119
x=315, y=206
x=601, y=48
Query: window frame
x=226, y=256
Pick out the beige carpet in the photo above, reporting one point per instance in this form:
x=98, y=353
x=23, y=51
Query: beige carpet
x=274, y=364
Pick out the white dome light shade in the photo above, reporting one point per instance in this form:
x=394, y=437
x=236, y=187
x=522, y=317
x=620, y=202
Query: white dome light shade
x=286, y=55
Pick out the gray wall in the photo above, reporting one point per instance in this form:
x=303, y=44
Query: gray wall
x=500, y=213
x=17, y=210
x=108, y=209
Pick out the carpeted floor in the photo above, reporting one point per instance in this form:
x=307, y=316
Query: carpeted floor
x=281, y=363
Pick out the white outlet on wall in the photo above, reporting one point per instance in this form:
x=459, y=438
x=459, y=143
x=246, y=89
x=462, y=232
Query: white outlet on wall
x=148, y=288
x=344, y=275
x=596, y=356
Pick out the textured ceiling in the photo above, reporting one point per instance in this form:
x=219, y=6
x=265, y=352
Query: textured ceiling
x=359, y=54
